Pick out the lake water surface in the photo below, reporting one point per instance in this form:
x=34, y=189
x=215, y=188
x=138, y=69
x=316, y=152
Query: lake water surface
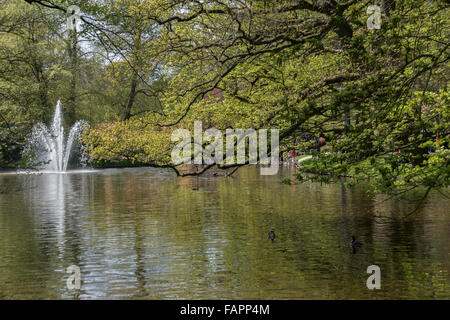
x=144, y=233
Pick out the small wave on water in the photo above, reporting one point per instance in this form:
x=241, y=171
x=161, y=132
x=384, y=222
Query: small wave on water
x=37, y=172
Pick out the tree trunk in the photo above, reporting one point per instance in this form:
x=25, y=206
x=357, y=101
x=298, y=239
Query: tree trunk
x=135, y=77
x=131, y=97
x=42, y=81
x=73, y=66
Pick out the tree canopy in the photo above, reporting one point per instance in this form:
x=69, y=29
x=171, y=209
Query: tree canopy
x=372, y=104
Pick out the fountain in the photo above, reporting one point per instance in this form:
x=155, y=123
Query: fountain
x=48, y=145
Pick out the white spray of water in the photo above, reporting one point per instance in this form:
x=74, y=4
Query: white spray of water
x=54, y=152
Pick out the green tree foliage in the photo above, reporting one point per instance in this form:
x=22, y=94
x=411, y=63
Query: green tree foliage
x=377, y=98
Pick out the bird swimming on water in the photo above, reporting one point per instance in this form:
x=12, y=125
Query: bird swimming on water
x=272, y=235
x=354, y=243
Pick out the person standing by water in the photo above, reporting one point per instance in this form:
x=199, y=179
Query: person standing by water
x=293, y=156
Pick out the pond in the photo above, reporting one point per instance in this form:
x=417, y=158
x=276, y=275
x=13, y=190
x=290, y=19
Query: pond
x=144, y=233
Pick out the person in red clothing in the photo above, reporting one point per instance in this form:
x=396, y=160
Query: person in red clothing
x=293, y=155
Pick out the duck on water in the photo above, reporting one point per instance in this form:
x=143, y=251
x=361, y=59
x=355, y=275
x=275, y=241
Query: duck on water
x=355, y=244
x=272, y=235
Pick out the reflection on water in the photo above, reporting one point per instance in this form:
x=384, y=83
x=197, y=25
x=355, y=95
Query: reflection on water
x=143, y=233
